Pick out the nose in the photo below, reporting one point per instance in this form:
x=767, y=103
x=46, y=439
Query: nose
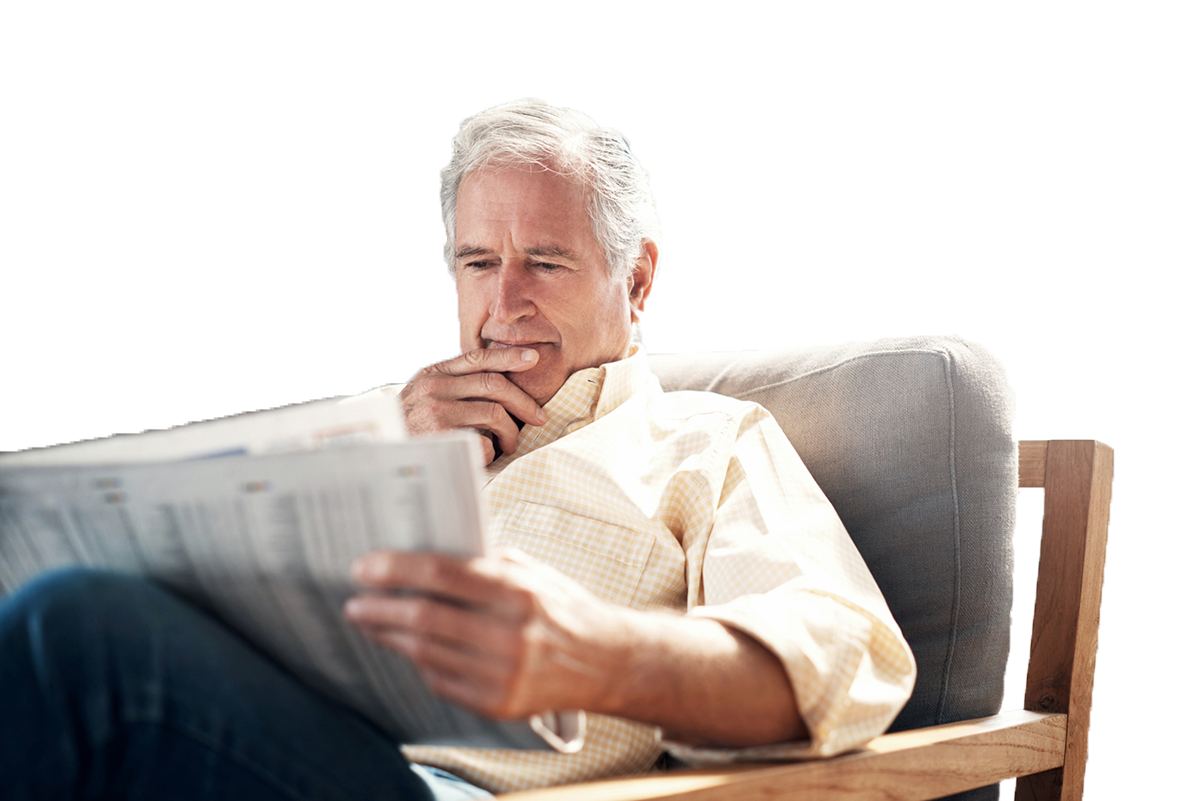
x=511, y=299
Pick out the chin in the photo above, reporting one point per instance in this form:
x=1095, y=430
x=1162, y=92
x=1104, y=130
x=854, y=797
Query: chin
x=537, y=385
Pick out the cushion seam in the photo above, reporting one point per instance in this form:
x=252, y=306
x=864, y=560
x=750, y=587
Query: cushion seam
x=956, y=598
x=943, y=354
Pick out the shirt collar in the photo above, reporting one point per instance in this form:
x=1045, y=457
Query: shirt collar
x=586, y=396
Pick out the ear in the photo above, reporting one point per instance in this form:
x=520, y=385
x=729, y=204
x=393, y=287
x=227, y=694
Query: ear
x=641, y=279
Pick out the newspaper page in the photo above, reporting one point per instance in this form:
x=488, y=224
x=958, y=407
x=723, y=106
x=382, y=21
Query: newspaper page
x=265, y=539
x=369, y=417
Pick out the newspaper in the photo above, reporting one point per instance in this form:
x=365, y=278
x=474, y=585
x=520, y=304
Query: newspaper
x=258, y=519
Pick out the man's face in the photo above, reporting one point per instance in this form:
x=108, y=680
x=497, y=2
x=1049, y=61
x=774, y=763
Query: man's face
x=530, y=273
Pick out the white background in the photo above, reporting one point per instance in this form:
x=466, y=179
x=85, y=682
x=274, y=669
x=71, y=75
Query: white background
x=191, y=179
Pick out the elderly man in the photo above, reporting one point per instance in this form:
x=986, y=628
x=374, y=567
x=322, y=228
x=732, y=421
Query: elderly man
x=667, y=574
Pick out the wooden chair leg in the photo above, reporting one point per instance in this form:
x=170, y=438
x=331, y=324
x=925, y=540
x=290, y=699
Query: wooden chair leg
x=1062, y=662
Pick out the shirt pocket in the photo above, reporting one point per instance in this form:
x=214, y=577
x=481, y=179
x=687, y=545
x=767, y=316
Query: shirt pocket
x=607, y=559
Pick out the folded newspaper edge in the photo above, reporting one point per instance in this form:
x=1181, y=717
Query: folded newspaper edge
x=258, y=519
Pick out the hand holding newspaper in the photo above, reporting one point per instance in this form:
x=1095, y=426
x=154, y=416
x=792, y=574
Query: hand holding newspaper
x=258, y=518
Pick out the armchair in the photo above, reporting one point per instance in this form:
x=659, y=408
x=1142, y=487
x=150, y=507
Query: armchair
x=911, y=441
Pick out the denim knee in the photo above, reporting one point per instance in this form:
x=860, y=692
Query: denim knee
x=64, y=610
x=56, y=667
x=77, y=584
x=114, y=682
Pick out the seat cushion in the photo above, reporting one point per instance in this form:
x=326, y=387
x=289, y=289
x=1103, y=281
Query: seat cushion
x=911, y=440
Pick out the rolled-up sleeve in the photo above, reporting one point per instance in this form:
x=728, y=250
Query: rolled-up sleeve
x=779, y=565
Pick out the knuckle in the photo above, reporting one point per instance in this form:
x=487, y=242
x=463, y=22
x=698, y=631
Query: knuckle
x=524, y=602
x=426, y=373
x=435, y=408
x=497, y=415
x=429, y=416
x=418, y=388
x=489, y=451
x=421, y=651
x=416, y=396
x=384, y=568
x=423, y=616
x=440, y=573
x=491, y=382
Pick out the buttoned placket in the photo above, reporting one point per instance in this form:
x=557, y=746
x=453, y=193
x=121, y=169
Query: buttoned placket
x=586, y=396
x=572, y=408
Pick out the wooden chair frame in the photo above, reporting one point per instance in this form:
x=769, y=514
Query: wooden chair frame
x=1043, y=746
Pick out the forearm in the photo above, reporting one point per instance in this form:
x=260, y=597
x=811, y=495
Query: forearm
x=517, y=638
x=702, y=682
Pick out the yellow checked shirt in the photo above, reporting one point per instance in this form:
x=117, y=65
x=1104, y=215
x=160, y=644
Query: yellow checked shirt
x=691, y=502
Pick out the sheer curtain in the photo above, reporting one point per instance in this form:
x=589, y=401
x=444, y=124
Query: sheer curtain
x=697, y=152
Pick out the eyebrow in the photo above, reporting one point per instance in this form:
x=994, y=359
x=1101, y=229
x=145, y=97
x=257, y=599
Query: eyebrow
x=541, y=252
x=551, y=251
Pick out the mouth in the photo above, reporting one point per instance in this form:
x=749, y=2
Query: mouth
x=494, y=344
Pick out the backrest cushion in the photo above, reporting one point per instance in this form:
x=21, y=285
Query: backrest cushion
x=911, y=440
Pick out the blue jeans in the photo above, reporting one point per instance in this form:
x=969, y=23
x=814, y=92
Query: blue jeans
x=112, y=687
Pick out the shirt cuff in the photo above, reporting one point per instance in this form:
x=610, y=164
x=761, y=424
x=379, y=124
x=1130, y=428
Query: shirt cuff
x=564, y=731
x=775, y=752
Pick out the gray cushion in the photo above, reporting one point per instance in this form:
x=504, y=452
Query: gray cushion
x=911, y=440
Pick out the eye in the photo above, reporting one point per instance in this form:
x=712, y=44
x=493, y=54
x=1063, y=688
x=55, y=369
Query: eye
x=546, y=266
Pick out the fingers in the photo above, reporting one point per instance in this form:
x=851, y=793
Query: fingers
x=480, y=400
x=502, y=635
x=469, y=677
x=490, y=447
x=429, y=620
x=487, y=360
x=471, y=391
x=479, y=582
x=464, y=630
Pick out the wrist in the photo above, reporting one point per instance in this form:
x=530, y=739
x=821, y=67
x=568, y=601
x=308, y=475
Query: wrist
x=642, y=665
x=618, y=659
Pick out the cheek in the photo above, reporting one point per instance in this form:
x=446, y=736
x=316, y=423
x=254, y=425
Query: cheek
x=470, y=320
x=611, y=313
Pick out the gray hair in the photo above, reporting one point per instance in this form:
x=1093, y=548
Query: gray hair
x=533, y=133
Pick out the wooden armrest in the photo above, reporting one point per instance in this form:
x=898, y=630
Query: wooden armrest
x=919, y=764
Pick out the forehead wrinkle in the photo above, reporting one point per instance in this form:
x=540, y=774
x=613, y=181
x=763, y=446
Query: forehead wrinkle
x=541, y=251
x=467, y=251
x=538, y=251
